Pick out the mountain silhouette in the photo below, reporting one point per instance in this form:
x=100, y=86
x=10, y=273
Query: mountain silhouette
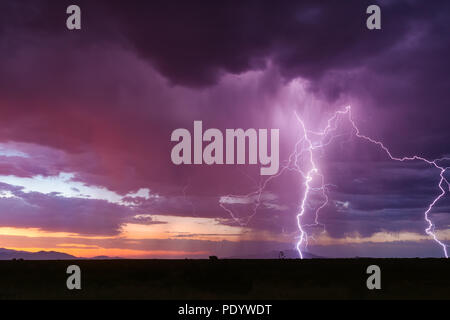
x=8, y=254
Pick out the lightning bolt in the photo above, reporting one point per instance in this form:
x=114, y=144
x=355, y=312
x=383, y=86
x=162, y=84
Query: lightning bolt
x=443, y=181
x=305, y=148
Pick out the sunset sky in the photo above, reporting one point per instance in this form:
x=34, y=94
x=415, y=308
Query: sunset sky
x=86, y=118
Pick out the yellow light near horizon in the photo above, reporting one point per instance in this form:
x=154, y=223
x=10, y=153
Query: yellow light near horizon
x=379, y=237
x=173, y=227
x=39, y=233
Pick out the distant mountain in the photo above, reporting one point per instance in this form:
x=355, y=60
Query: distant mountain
x=106, y=258
x=7, y=254
x=288, y=254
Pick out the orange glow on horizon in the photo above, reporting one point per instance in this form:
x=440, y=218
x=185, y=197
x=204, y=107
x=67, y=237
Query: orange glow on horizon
x=116, y=252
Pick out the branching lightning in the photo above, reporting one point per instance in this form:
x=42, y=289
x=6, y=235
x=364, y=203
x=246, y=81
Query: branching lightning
x=304, y=156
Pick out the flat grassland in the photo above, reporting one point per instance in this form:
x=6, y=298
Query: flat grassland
x=226, y=279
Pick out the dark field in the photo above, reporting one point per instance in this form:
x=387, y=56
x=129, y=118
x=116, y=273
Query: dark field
x=227, y=279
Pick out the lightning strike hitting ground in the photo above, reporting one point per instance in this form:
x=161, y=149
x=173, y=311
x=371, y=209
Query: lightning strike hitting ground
x=307, y=146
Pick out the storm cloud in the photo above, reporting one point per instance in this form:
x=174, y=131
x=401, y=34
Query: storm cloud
x=100, y=103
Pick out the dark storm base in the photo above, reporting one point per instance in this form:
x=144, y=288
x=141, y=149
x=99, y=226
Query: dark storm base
x=226, y=279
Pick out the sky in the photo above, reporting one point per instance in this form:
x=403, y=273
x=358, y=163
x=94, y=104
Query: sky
x=86, y=118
